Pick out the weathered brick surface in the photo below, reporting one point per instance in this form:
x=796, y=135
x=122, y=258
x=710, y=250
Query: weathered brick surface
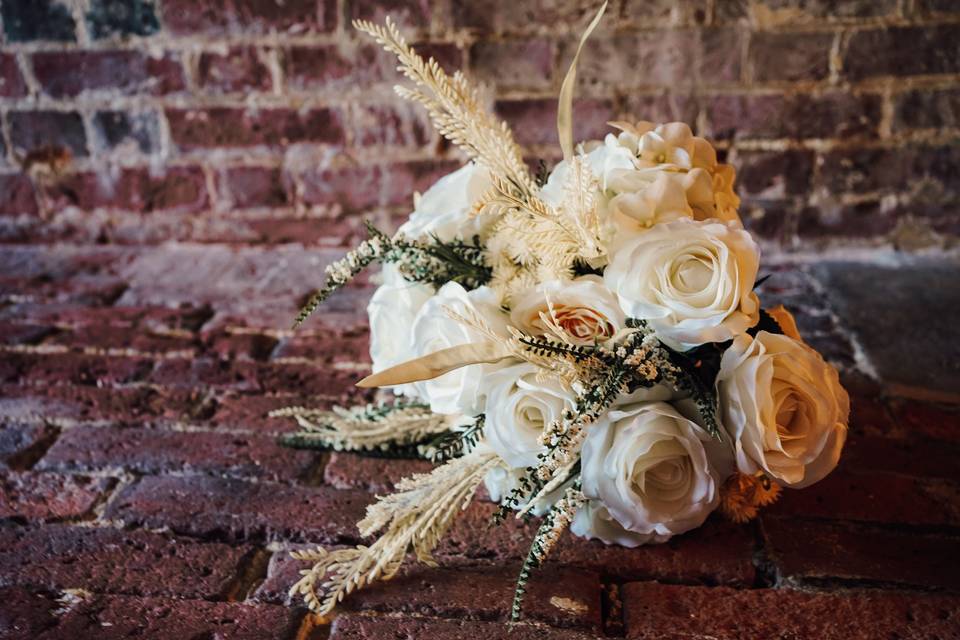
x=663, y=611
x=45, y=496
x=360, y=627
x=157, y=451
x=560, y=598
x=175, y=175
x=24, y=614
x=378, y=475
x=108, y=560
x=116, y=617
x=819, y=552
x=717, y=553
x=237, y=510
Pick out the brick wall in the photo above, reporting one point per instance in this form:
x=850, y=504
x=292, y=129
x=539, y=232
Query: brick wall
x=142, y=490
x=257, y=121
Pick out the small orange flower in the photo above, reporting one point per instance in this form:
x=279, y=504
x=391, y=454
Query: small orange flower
x=742, y=495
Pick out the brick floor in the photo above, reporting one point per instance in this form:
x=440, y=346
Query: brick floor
x=143, y=494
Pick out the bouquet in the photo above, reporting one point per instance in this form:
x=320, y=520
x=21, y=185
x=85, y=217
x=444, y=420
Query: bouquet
x=586, y=342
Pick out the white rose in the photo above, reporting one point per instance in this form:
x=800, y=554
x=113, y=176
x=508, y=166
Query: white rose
x=648, y=467
x=692, y=281
x=444, y=210
x=783, y=407
x=593, y=521
x=583, y=309
x=392, y=309
x=519, y=406
x=459, y=391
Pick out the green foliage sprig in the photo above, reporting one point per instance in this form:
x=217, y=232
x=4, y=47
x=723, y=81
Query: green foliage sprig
x=433, y=261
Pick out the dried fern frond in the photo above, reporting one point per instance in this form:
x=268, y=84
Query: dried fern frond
x=454, y=106
x=365, y=428
x=554, y=524
x=414, y=518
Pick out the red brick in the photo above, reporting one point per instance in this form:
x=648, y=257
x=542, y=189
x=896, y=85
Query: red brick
x=556, y=596
x=767, y=174
x=937, y=6
x=505, y=15
x=832, y=115
x=678, y=106
x=719, y=56
x=17, y=195
x=249, y=412
x=934, y=421
x=875, y=497
x=534, y=122
x=240, y=346
x=88, y=403
x=121, y=617
x=350, y=346
x=790, y=57
x=66, y=75
x=918, y=457
x=409, y=13
x=239, y=510
x=250, y=376
x=660, y=12
x=351, y=188
x=526, y=63
x=316, y=231
x=151, y=451
x=23, y=614
x=865, y=170
x=20, y=443
x=243, y=187
x=719, y=552
x=225, y=127
x=11, y=80
x=76, y=368
x=243, y=284
x=363, y=187
x=651, y=58
x=879, y=52
x=361, y=627
x=117, y=336
x=177, y=189
x=36, y=130
x=46, y=496
x=115, y=561
x=340, y=66
x=239, y=69
x=390, y=125
x=862, y=220
x=124, y=132
x=377, y=475
x=816, y=553
x=248, y=16
x=926, y=109
x=672, y=612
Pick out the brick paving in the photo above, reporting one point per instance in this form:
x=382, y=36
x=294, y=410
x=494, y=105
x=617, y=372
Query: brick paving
x=140, y=481
x=175, y=174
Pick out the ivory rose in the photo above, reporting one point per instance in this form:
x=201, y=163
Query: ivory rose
x=460, y=390
x=519, y=406
x=583, y=310
x=444, y=209
x=783, y=407
x=692, y=281
x=392, y=309
x=646, y=464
